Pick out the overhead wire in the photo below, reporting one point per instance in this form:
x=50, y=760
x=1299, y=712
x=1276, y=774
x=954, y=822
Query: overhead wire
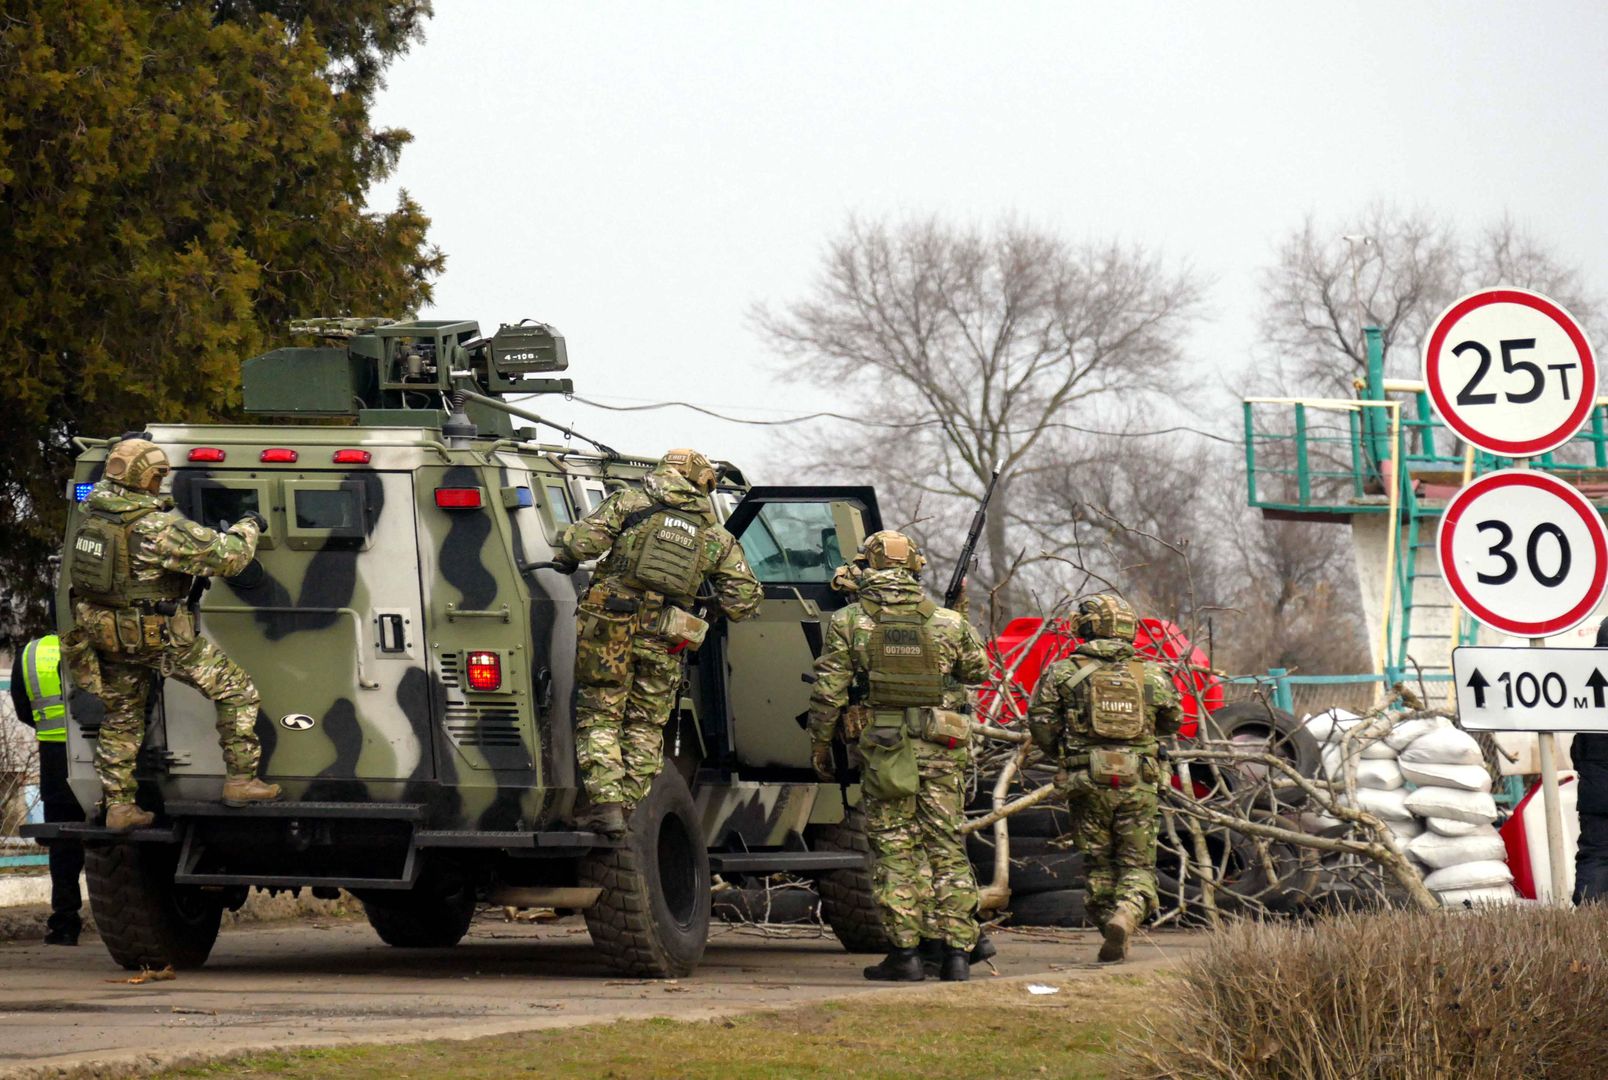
x=899, y=425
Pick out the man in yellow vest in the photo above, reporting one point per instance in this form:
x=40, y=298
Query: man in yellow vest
x=36, y=690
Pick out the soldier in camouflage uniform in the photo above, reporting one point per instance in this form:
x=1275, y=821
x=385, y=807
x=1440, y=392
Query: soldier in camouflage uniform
x=1099, y=713
x=662, y=544
x=906, y=663
x=134, y=559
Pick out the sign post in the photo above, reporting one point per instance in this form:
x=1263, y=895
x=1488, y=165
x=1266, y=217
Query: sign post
x=1512, y=373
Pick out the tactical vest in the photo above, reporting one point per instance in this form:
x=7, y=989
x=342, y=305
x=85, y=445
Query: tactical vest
x=1114, y=700
x=904, y=667
x=41, y=673
x=665, y=551
x=100, y=566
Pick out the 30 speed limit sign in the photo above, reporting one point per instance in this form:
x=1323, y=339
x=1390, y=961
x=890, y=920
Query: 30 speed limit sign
x=1524, y=553
x=1510, y=372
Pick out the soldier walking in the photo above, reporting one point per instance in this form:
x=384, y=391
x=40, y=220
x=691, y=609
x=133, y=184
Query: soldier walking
x=1099, y=713
x=908, y=662
x=134, y=560
x=662, y=544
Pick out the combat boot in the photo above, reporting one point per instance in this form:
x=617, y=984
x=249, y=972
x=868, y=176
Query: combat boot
x=983, y=950
x=1117, y=930
x=240, y=791
x=900, y=965
x=123, y=816
x=607, y=818
x=956, y=966
x=931, y=951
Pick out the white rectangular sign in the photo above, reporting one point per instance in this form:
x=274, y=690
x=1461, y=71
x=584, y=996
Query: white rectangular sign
x=1517, y=689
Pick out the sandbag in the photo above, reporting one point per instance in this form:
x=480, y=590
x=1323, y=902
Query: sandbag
x=1379, y=775
x=1407, y=732
x=1462, y=777
x=1321, y=725
x=1405, y=828
x=1444, y=746
x=1440, y=802
x=1441, y=826
x=1379, y=750
x=1439, y=851
x=1385, y=805
x=1469, y=875
x=1493, y=894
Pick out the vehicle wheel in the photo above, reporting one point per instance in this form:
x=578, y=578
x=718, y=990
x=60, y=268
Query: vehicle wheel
x=433, y=915
x=1257, y=726
x=145, y=919
x=652, y=919
x=847, y=902
x=1060, y=907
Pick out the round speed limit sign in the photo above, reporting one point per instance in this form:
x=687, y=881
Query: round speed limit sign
x=1524, y=553
x=1510, y=371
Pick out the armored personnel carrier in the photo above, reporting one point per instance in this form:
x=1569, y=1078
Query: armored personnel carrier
x=414, y=648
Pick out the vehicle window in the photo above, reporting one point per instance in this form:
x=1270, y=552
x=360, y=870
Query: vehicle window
x=594, y=498
x=226, y=505
x=793, y=543
x=327, y=510
x=559, y=503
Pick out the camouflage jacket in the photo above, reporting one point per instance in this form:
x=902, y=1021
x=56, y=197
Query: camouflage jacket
x=847, y=644
x=165, y=541
x=1056, y=715
x=737, y=591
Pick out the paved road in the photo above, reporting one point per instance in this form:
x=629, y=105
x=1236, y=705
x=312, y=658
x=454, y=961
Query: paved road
x=318, y=983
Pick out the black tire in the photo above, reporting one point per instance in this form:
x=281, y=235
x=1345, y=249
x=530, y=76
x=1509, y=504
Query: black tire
x=1061, y=907
x=980, y=846
x=1040, y=822
x=145, y=920
x=434, y=915
x=1253, y=722
x=773, y=906
x=1046, y=873
x=652, y=918
x=847, y=902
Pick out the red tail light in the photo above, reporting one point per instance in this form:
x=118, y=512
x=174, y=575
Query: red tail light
x=459, y=498
x=352, y=457
x=206, y=453
x=485, y=671
x=278, y=454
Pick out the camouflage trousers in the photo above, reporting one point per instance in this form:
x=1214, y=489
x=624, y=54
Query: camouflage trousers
x=126, y=683
x=922, y=880
x=1115, y=828
x=627, y=684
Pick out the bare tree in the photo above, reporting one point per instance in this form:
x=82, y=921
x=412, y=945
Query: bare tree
x=1395, y=269
x=975, y=348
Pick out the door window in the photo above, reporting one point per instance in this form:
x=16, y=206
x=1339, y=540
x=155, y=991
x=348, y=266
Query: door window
x=793, y=543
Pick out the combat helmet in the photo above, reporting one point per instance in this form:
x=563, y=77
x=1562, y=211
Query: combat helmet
x=1105, y=615
x=137, y=465
x=692, y=465
x=888, y=549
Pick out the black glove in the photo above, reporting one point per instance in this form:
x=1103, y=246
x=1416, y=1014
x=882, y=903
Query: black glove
x=565, y=565
x=252, y=515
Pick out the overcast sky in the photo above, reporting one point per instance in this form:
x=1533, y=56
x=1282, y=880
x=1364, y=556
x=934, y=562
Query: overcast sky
x=639, y=174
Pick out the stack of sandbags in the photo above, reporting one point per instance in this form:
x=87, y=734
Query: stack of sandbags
x=1379, y=777
x=1464, y=858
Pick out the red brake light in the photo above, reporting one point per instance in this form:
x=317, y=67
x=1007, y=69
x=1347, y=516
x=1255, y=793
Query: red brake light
x=278, y=454
x=206, y=453
x=459, y=498
x=352, y=457
x=485, y=671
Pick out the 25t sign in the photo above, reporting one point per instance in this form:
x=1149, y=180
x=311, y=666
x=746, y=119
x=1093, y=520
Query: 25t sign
x=1510, y=371
x=1524, y=553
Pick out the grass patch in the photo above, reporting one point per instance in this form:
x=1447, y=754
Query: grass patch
x=983, y=1029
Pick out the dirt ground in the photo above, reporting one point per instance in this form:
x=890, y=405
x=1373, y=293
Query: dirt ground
x=331, y=982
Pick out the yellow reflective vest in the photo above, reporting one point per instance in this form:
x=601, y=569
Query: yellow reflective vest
x=41, y=667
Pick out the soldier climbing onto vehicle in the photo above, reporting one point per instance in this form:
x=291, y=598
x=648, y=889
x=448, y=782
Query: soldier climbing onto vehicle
x=1099, y=713
x=907, y=663
x=134, y=560
x=660, y=545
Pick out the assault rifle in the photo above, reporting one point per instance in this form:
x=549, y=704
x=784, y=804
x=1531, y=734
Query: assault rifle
x=968, y=550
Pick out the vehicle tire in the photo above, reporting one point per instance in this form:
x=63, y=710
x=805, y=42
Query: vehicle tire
x=773, y=907
x=1046, y=873
x=433, y=915
x=652, y=918
x=145, y=919
x=1041, y=822
x=1252, y=722
x=848, y=903
x=1060, y=907
x=980, y=847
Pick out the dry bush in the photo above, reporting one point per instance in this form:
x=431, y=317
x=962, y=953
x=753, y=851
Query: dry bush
x=1405, y=995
